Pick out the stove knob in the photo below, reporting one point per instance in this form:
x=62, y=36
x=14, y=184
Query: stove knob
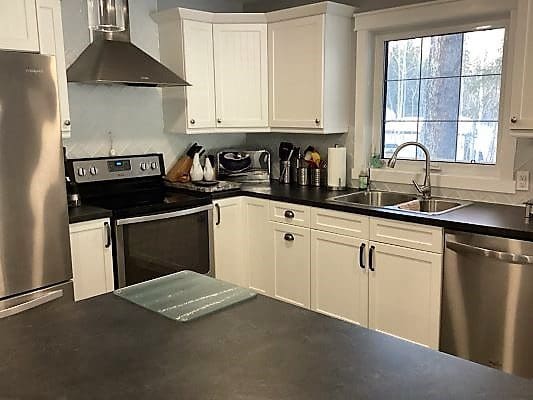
x=82, y=172
x=144, y=166
x=153, y=165
x=93, y=170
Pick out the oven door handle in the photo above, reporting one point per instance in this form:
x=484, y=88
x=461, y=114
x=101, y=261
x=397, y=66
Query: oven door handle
x=158, y=217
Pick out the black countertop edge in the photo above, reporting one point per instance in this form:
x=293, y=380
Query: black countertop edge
x=87, y=213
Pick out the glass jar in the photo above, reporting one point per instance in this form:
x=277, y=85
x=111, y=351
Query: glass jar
x=107, y=15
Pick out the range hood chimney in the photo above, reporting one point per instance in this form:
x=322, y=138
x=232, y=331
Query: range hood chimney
x=112, y=59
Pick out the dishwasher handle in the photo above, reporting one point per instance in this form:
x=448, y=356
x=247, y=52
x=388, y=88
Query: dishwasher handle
x=497, y=255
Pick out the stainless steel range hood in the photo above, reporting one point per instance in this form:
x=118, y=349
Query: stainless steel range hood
x=112, y=59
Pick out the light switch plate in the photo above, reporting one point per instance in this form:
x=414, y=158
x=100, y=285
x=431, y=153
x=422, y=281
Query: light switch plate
x=522, y=180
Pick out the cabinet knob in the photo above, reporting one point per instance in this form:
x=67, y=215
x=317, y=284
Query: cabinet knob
x=192, y=121
x=514, y=119
x=219, y=121
x=289, y=214
x=289, y=237
x=67, y=122
x=317, y=121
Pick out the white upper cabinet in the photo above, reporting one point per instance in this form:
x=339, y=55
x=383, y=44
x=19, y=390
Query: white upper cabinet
x=311, y=68
x=200, y=73
x=521, y=118
x=296, y=72
x=241, y=75
x=18, y=25
x=51, y=43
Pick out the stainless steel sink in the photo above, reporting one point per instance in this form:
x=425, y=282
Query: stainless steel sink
x=374, y=198
x=432, y=206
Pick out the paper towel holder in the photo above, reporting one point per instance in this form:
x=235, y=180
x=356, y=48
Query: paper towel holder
x=337, y=185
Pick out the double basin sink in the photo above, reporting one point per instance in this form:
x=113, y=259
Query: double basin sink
x=400, y=201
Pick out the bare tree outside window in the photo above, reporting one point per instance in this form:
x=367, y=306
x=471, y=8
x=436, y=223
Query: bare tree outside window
x=444, y=91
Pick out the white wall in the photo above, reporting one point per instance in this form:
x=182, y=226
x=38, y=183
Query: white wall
x=133, y=115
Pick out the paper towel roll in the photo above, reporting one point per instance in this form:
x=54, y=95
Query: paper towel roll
x=337, y=167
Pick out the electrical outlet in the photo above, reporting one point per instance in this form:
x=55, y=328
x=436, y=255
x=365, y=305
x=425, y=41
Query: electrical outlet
x=522, y=180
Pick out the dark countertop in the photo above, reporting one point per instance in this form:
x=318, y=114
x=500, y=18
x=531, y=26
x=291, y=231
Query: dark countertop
x=87, y=213
x=482, y=218
x=107, y=348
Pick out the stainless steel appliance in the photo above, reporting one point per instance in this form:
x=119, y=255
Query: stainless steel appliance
x=156, y=231
x=34, y=238
x=245, y=166
x=488, y=301
x=112, y=59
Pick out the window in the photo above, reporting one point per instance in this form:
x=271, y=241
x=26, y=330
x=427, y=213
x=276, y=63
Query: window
x=444, y=91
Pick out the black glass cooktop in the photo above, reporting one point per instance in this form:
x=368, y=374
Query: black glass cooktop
x=148, y=203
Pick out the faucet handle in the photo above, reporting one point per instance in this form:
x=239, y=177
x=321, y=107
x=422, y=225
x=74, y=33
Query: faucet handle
x=423, y=190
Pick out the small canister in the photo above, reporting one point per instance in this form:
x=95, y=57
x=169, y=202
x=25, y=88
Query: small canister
x=316, y=177
x=284, y=172
x=303, y=176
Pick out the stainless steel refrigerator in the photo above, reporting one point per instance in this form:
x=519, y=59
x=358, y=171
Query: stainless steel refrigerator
x=35, y=266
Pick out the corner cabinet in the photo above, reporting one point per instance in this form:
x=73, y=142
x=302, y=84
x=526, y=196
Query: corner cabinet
x=18, y=25
x=521, y=117
x=226, y=65
x=92, y=258
x=310, y=70
x=51, y=43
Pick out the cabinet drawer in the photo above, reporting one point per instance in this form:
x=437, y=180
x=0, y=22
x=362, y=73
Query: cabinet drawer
x=339, y=222
x=405, y=234
x=292, y=214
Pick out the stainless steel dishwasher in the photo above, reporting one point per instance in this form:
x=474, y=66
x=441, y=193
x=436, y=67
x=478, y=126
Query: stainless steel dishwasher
x=487, y=303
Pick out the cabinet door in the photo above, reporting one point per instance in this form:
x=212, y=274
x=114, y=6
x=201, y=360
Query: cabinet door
x=51, y=43
x=405, y=293
x=339, y=279
x=92, y=258
x=296, y=59
x=229, y=235
x=200, y=73
x=521, y=118
x=241, y=75
x=259, y=258
x=18, y=25
x=292, y=269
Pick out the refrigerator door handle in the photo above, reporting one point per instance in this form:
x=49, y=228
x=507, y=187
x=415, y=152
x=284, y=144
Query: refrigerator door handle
x=498, y=255
x=28, y=305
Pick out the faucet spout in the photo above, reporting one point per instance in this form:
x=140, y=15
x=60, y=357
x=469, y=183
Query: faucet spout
x=424, y=190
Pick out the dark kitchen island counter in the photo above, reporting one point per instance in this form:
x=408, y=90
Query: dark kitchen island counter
x=107, y=348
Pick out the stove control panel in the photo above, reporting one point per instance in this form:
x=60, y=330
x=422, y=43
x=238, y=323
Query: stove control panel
x=106, y=169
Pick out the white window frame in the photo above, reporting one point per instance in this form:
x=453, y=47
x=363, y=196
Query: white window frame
x=440, y=17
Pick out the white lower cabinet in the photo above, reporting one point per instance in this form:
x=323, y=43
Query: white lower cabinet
x=259, y=257
x=228, y=220
x=292, y=264
x=405, y=293
x=339, y=278
x=92, y=258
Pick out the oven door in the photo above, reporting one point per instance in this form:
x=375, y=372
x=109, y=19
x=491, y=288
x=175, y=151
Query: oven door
x=152, y=246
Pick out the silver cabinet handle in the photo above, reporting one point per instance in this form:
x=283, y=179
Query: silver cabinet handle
x=192, y=121
x=317, y=121
x=67, y=122
x=20, y=308
x=108, y=235
x=497, y=255
x=219, y=121
x=514, y=119
x=289, y=214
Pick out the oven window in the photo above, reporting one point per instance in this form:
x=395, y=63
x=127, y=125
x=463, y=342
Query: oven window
x=157, y=248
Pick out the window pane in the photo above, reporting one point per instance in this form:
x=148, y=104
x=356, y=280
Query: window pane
x=397, y=133
x=439, y=99
x=441, y=56
x=439, y=138
x=402, y=100
x=483, y=52
x=477, y=141
x=403, y=59
x=480, y=98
